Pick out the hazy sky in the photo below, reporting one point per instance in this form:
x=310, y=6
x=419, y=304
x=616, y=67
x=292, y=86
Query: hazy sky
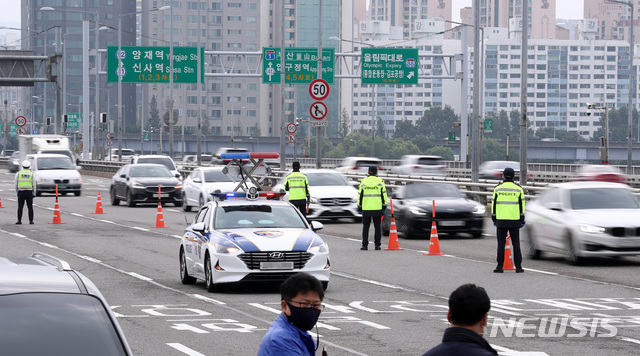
x=10, y=14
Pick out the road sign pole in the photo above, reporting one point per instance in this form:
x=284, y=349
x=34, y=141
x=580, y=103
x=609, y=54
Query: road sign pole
x=319, y=128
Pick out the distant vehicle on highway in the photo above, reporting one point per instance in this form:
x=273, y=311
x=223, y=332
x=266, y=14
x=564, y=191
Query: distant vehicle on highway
x=332, y=195
x=14, y=164
x=112, y=154
x=494, y=169
x=583, y=219
x=421, y=165
x=55, y=173
x=157, y=159
x=600, y=173
x=48, y=308
x=138, y=183
x=203, y=181
x=413, y=211
x=359, y=165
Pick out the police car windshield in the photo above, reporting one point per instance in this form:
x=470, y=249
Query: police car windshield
x=257, y=216
x=431, y=191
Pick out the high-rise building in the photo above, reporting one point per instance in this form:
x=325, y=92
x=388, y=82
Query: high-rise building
x=406, y=13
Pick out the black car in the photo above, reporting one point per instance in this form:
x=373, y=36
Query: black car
x=139, y=183
x=48, y=308
x=413, y=211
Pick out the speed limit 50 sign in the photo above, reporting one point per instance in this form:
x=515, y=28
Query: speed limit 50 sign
x=319, y=89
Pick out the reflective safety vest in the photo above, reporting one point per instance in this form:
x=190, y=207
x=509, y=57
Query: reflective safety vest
x=297, y=185
x=508, y=201
x=372, y=193
x=25, y=180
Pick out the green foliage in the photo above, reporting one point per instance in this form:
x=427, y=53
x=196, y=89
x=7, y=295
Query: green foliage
x=404, y=130
x=445, y=152
x=436, y=122
x=326, y=144
x=380, y=132
x=154, y=115
x=494, y=150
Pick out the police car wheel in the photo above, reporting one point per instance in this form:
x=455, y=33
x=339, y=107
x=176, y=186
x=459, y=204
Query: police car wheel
x=208, y=275
x=185, y=278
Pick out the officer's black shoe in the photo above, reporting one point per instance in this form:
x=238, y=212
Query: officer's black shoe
x=30, y=222
x=519, y=270
x=498, y=270
x=378, y=248
x=364, y=248
x=19, y=223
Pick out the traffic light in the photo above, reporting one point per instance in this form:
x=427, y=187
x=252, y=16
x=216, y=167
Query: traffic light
x=65, y=118
x=48, y=120
x=103, y=117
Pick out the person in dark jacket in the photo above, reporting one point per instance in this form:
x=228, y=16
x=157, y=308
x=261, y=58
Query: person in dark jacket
x=468, y=313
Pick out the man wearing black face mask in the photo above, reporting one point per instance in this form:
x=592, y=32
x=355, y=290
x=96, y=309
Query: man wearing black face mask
x=301, y=304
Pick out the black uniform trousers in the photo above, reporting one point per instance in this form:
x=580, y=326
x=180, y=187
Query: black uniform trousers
x=301, y=204
x=514, y=232
x=367, y=218
x=25, y=196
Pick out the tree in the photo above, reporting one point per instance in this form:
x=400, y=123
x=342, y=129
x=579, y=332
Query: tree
x=344, y=124
x=494, y=150
x=444, y=152
x=380, y=131
x=206, y=125
x=154, y=115
x=404, y=130
x=436, y=122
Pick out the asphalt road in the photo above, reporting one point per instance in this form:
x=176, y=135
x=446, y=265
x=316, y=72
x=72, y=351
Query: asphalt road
x=378, y=302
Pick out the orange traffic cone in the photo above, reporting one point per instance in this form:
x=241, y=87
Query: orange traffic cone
x=434, y=243
x=56, y=214
x=159, y=217
x=508, y=257
x=99, y=205
x=1, y=204
x=393, y=233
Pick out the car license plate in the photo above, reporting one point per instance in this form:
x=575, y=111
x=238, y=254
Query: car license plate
x=336, y=209
x=451, y=223
x=162, y=195
x=276, y=265
x=62, y=186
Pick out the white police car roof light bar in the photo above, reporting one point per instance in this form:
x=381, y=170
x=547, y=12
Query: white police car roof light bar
x=238, y=157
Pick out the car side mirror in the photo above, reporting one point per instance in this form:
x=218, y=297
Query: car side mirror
x=199, y=227
x=178, y=175
x=557, y=206
x=316, y=226
x=197, y=180
x=123, y=176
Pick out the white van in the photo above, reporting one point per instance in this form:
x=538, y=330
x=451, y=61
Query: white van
x=54, y=170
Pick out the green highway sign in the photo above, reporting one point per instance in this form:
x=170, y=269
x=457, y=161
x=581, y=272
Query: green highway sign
x=138, y=64
x=389, y=66
x=74, y=121
x=452, y=137
x=300, y=64
x=488, y=125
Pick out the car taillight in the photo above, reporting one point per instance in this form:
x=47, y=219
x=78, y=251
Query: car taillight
x=356, y=167
x=381, y=168
x=416, y=167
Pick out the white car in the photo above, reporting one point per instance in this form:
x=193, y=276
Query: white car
x=204, y=181
x=583, y=219
x=332, y=195
x=158, y=159
x=359, y=165
x=55, y=173
x=112, y=154
x=244, y=240
x=421, y=165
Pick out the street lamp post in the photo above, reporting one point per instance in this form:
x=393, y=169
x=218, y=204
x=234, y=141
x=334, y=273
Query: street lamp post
x=373, y=95
x=631, y=84
x=120, y=72
x=605, y=144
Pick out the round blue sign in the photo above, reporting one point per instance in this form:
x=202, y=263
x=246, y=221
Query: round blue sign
x=35, y=131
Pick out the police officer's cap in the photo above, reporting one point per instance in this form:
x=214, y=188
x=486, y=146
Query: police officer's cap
x=508, y=172
x=296, y=165
x=373, y=170
x=26, y=164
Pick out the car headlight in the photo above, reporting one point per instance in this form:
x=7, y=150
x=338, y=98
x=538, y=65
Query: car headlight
x=480, y=210
x=46, y=180
x=314, y=200
x=179, y=186
x=417, y=211
x=226, y=249
x=136, y=185
x=590, y=229
x=318, y=246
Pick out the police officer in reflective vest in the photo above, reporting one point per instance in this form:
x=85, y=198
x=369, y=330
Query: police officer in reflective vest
x=25, y=187
x=372, y=202
x=507, y=213
x=297, y=185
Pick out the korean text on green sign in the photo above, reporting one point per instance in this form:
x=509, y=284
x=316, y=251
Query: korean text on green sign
x=74, y=121
x=152, y=65
x=301, y=65
x=389, y=66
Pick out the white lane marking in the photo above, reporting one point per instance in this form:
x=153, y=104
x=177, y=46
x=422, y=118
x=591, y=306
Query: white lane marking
x=508, y=352
x=76, y=214
x=139, y=276
x=210, y=300
x=140, y=228
x=90, y=259
x=629, y=340
x=264, y=307
x=184, y=349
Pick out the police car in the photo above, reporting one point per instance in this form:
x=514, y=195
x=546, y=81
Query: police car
x=251, y=237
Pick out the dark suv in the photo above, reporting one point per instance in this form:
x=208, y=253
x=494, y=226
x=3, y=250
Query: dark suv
x=47, y=308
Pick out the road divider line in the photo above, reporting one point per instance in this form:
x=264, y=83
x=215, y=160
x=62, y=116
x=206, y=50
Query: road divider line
x=184, y=349
x=139, y=276
x=211, y=300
